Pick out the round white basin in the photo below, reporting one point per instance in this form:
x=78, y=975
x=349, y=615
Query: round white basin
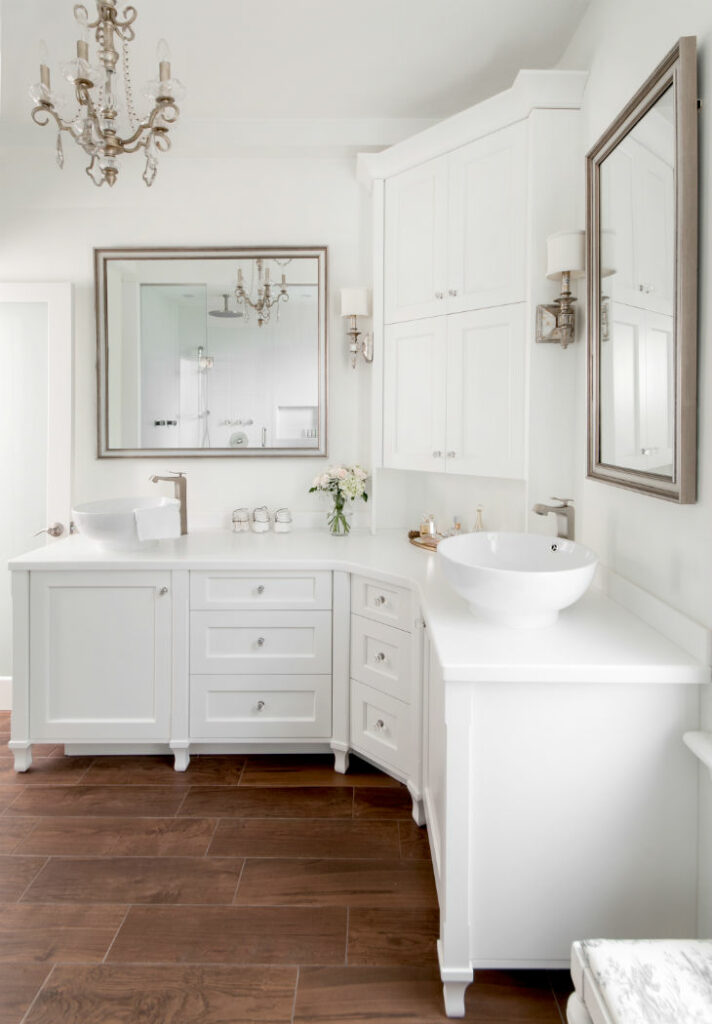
x=112, y=523
x=517, y=579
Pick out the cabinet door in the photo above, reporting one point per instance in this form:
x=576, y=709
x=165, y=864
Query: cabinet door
x=486, y=393
x=414, y=395
x=655, y=231
x=100, y=655
x=487, y=221
x=415, y=242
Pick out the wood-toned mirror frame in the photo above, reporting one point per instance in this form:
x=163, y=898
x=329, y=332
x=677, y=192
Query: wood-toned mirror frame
x=104, y=256
x=679, y=68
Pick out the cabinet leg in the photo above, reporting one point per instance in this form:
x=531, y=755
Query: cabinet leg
x=341, y=761
x=454, y=996
x=181, y=755
x=418, y=812
x=576, y=1012
x=22, y=752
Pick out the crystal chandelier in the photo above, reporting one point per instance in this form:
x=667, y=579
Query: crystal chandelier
x=106, y=124
x=266, y=299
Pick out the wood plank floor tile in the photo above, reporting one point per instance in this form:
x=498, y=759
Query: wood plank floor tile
x=305, y=837
x=116, y=837
x=136, y=880
x=16, y=873
x=316, y=770
x=13, y=831
x=364, y=883
x=118, y=994
x=383, y=803
x=19, y=984
x=45, y=771
x=383, y=937
x=232, y=935
x=414, y=843
x=159, y=771
x=105, y=801
x=266, y=802
x=8, y=794
x=413, y=995
x=73, y=934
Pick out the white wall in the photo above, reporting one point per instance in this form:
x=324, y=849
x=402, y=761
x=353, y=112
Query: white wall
x=50, y=220
x=665, y=548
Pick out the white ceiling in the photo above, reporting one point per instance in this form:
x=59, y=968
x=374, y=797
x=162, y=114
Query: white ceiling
x=309, y=58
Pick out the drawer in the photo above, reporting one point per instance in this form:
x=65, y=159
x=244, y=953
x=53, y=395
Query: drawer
x=260, y=707
x=381, y=727
x=382, y=657
x=382, y=602
x=260, y=642
x=231, y=591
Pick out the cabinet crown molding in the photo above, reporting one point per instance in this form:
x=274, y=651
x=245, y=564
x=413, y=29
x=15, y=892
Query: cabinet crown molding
x=531, y=90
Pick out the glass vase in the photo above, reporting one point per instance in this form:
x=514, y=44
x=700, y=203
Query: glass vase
x=338, y=520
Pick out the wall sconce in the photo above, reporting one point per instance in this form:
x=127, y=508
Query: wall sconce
x=608, y=241
x=565, y=258
x=355, y=302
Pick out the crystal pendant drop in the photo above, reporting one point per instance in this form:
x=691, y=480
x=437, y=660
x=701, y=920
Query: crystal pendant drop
x=150, y=171
x=60, y=151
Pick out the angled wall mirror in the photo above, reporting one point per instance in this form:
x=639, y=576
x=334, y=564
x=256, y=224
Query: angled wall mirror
x=211, y=352
x=641, y=185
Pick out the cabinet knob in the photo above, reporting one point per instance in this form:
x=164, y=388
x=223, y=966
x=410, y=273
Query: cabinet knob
x=163, y=591
x=452, y=291
x=380, y=724
x=380, y=600
x=260, y=641
x=437, y=455
x=261, y=589
x=451, y=455
x=260, y=705
x=439, y=295
x=380, y=656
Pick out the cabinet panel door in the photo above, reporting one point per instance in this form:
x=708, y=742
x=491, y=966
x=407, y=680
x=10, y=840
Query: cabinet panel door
x=414, y=395
x=260, y=642
x=487, y=221
x=260, y=707
x=100, y=654
x=486, y=392
x=415, y=242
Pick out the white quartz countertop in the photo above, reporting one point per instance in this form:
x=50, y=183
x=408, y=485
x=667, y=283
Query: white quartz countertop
x=597, y=640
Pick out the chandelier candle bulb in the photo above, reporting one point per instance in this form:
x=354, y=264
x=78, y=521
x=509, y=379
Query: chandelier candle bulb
x=44, y=63
x=164, y=60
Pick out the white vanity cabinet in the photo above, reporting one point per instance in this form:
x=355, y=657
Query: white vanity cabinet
x=101, y=659
x=455, y=229
x=455, y=388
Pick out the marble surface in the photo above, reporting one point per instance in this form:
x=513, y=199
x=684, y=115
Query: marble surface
x=596, y=640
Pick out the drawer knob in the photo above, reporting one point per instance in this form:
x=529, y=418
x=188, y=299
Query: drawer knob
x=380, y=724
x=437, y=455
x=261, y=589
x=380, y=656
x=163, y=591
x=260, y=705
x=260, y=641
x=380, y=600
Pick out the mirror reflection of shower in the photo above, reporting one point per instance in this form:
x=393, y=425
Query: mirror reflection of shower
x=205, y=363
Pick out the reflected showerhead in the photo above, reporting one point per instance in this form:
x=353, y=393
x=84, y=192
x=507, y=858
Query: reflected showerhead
x=225, y=312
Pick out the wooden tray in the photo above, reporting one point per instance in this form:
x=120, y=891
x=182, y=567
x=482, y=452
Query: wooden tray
x=424, y=543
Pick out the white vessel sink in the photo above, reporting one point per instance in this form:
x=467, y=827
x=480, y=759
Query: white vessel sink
x=113, y=523
x=517, y=579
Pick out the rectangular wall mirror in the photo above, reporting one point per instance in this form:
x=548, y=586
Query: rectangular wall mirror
x=642, y=287
x=211, y=352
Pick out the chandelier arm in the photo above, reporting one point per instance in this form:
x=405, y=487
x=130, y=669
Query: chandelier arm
x=129, y=15
x=41, y=115
x=81, y=9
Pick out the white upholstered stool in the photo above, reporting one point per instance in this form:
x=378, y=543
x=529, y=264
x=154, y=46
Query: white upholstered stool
x=644, y=981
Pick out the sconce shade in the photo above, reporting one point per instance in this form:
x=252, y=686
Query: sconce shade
x=565, y=251
x=608, y=253
x=355, y=302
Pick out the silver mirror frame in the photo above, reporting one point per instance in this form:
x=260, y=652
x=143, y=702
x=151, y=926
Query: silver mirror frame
x=101, y=259
x=679, y=68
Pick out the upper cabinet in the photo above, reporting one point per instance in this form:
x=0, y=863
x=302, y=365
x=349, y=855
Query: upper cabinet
x=455, y=230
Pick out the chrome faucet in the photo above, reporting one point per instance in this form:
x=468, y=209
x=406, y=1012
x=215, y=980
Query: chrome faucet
x=565, y=516
x=180, y=487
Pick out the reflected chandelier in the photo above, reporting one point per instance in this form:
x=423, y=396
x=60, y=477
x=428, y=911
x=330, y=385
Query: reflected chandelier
x=106, y=125
x=265, y=300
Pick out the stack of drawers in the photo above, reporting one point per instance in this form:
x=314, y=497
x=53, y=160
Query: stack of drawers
x=382, y=673
x=260, y=655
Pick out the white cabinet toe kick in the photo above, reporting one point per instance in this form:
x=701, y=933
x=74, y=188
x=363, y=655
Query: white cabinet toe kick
x=530, y=785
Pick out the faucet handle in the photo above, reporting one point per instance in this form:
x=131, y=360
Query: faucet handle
x=565, y=502
x=174, y=472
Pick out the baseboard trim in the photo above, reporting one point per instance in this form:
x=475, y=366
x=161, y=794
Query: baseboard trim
x=5, y=693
